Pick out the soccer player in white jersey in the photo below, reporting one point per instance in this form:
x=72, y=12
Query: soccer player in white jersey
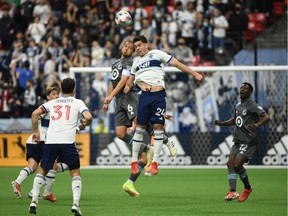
x=60, y=140
x=148, y=73
x=34, y=155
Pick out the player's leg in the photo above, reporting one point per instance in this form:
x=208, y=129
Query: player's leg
x=33, y=157
x=232, y=175
x=248, y=151
x=50, y=178
x=76, y=190
x=128, y=186
x=48, y=158
x=168, y=142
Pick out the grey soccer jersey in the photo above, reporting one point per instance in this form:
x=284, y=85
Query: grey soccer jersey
x=126, y=104
x=246, y=113
x=121, y=67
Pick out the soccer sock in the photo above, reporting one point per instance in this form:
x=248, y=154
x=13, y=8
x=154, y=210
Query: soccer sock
x=62, y=167
x=232, y=179
x=133, y=177
x=137, y=142
x=76, y=189
x=24, y=173
x=158, y=141
x=128, y=138
x=38, y=183
x=49, y=178
x=244, y=177
x=165, y=139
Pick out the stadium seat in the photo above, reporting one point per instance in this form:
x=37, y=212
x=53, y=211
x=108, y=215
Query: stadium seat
x=278, y=9
x=257, y=17
x=149, y=10
x=249, y=36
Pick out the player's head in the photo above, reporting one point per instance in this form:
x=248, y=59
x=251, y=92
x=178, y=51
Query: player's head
x=141, y=45
x=52, y=92
x=246, y=90
x=127, y=49
x=68, y=86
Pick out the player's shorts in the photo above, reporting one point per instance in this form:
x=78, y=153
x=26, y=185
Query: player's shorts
x=126, y=109
x=67, y=152
x=152, y=108
x=34, y=151
x=247, y=150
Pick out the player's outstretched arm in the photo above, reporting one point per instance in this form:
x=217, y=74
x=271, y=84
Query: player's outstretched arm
x=225, y=123
x=174, y=62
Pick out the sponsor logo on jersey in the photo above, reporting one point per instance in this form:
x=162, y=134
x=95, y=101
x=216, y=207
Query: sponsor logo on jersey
x=277, y=155
x=118, y=153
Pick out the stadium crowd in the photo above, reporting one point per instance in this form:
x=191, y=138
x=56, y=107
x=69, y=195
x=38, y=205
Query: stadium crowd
x=41, y=39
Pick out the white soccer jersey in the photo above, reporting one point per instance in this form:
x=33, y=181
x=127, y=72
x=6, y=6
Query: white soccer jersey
x=149, y=68
x=64, y=113
x=43, y=124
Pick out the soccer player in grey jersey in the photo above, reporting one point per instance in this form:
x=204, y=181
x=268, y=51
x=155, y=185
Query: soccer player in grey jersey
x=247, y=118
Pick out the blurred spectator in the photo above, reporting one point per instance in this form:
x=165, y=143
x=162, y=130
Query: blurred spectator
x=170, y=28
x=159, y=14
x=32, y=51
x=188, y=24
x=36, y=30
x=182, y=52
x=176, y=16
x=238, y=24
x=43, y=10
x=5, y=96
x=58, y=7
x=147, y=30
x=161, y=43
x=205, y=40
x=29, y=99
x=110, y=53
x=8, y=28
x=97, y=54
x=5, y=75
x=220, y=24
x=138, y=14
x=27, y=8
x=50, y=76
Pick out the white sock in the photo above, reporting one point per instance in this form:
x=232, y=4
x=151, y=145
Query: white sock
x=62, y=167
x=24, y=173
x=158, y=142
x=38, y=183
x=76, y=189
x=137, y=142
x=49, y=179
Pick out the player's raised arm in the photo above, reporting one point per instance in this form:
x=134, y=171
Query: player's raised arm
x=174, y=62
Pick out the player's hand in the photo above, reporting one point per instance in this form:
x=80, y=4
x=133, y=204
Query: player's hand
x=105, y=107
x=252, y=127
x=169, y=117
x=126, y=89
x=81, y=127
x=217, y=122
x=108, y=99
x=36, y=137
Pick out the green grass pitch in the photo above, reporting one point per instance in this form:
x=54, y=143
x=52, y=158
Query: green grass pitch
x=172, y=192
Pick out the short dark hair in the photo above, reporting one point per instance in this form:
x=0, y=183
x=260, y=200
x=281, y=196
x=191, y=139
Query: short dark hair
x=250, y=86
x=141, y=38
x=67, y=85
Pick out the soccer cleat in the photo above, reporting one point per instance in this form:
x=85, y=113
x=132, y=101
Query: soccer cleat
x=33, y=208
x=76, y=210
x=16, y=189
x=154, y=168
x=171, y=147
x=129, y=188
x=49, y=197
x=150, y=154
x=231, y=196
x=147, y=173
x=245, y=194
x=134, y=167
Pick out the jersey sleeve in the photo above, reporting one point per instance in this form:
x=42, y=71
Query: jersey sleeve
x=256, y=108
x=82, y=107
x=45, y=107
x=165, y=57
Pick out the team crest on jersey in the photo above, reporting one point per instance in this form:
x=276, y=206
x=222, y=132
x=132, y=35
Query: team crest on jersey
x=150, y=56
x=119, y=66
